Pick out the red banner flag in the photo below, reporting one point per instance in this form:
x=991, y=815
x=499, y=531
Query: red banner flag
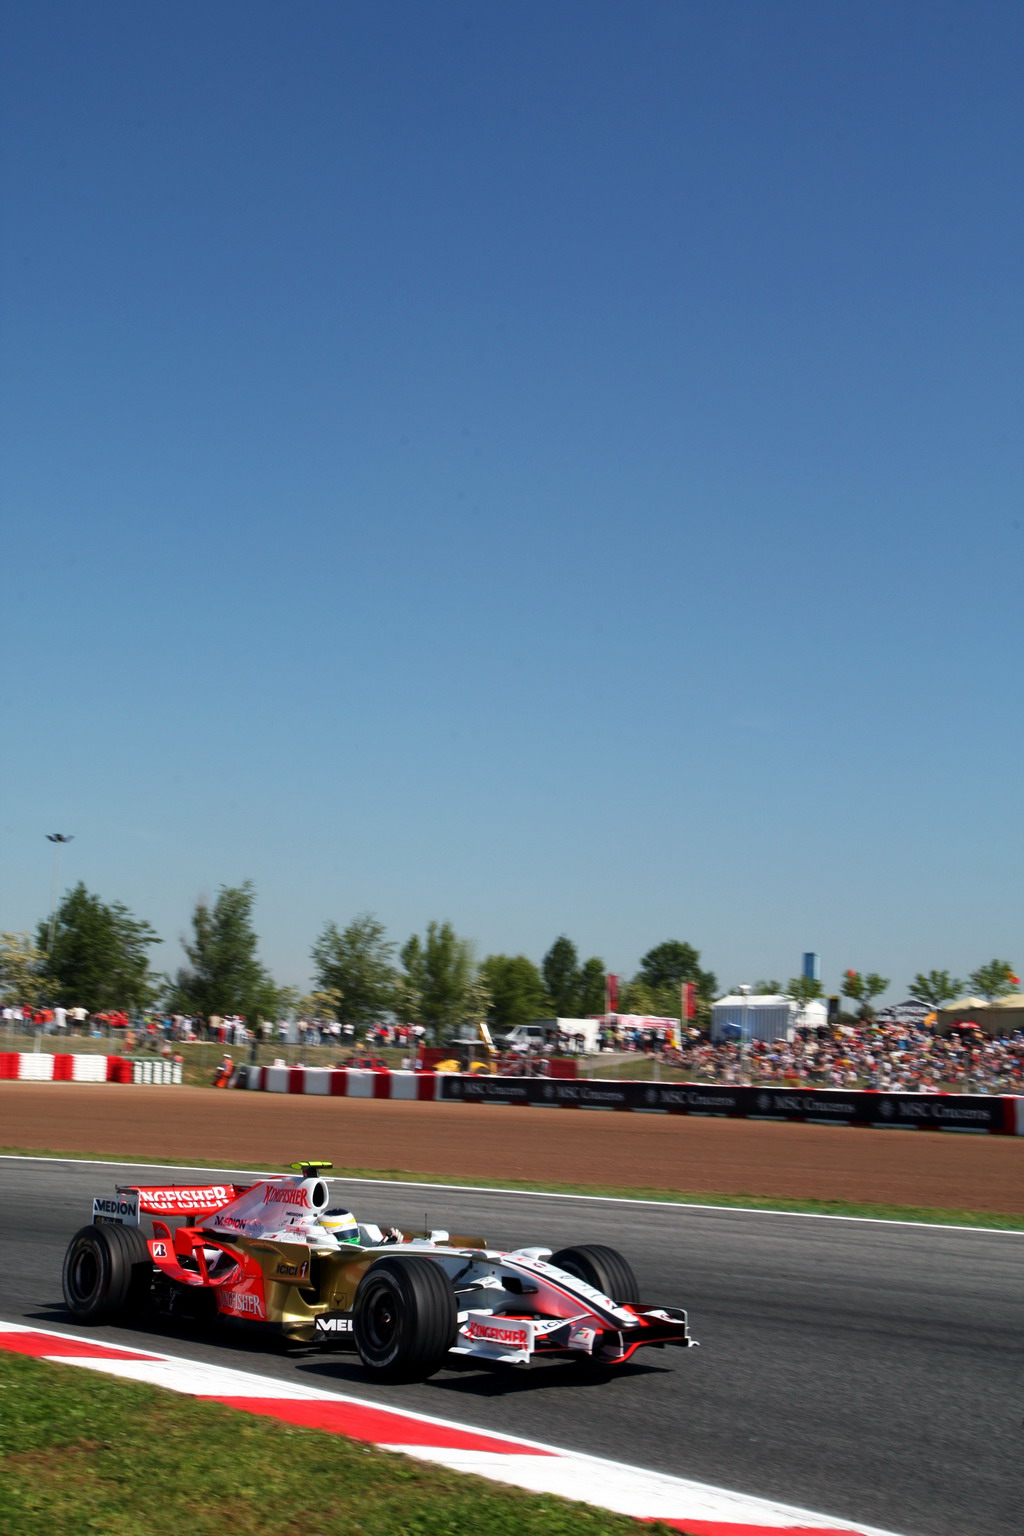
x=611, y=994
x=689, y=1000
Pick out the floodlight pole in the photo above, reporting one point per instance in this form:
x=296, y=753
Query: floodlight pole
x=744, y=1027
x=58, y=839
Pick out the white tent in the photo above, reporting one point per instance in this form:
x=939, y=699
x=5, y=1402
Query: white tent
x=764, y=1016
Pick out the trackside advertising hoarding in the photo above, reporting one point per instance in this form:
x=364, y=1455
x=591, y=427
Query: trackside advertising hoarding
x=926, y=1111
x=998, y=1114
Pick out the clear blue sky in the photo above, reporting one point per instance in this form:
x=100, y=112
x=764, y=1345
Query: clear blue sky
x=551, y=465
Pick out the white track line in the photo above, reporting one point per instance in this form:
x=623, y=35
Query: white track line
x=533, y=1194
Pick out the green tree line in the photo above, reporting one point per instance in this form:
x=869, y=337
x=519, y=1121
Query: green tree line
x=98, y=955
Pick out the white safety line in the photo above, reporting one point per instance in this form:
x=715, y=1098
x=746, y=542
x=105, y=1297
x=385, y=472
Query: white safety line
x=531, y=1194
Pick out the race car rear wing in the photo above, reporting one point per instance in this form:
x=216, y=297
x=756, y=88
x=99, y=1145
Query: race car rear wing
x=131, y=1201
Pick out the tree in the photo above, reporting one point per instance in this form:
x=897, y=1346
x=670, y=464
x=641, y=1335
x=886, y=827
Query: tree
x=21, y=963
x=804, y=990
x=358, y=964
x=635, y=996
x=321, y=1003
x=669, y=964
x=768, y=989
x=411, y=979
x=100, y=955
x=863, y=989
x=934, y=987
x=996, y=979
x=517, y=991
x=442, y=980
x=590, y=997
x=666, y=968
x=573, y=991
x=225, y=974
x=287, y=1000
x=561, y=972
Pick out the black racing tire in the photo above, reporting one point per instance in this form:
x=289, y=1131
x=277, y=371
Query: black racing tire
x=603, y=1268
x=404, y=1318
x=107, y=1273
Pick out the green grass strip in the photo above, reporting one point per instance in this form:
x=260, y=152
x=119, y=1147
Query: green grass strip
x=1001, y=1221
x=86, y=1453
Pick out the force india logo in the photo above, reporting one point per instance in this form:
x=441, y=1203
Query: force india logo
x=244, y=1303
x=493, y=1333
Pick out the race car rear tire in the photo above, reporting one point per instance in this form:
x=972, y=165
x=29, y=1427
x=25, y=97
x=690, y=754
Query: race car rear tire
x=107, y=1272
x=603, y=1268
x=404, y=1318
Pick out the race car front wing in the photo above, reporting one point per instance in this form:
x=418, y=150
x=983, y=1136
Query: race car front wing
x=519, y=1340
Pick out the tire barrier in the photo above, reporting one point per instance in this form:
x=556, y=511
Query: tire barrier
x=998, y=1115
x=148, y=1069
x=80, y=1067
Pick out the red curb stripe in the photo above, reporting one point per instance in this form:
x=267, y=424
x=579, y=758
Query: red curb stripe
x=45, y=1345
x=379, y=1426
x=726, y=1528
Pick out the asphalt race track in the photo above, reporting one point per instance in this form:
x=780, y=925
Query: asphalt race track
x=867, y=1371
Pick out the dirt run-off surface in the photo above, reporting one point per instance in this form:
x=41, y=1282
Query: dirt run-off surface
x=483, y=1141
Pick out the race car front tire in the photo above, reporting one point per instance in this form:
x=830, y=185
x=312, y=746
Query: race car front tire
x=107, y=1272
x=404, y=1319
x=603, y=1268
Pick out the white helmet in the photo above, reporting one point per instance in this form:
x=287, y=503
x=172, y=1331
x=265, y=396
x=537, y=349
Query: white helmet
x=341, y=1224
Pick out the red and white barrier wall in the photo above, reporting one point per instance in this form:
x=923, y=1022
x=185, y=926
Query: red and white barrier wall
x=83, y=1067
x=341, y=1082
x=985, y=1114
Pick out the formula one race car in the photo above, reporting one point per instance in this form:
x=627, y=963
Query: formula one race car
x=275, y=1255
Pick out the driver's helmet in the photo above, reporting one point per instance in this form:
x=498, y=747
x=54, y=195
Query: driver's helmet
x=341, y=1224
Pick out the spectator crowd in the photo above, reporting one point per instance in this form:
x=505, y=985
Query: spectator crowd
x=889, y=1057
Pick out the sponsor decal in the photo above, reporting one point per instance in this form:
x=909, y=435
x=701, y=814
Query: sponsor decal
x=123, y=1208
x=290, y=1195
x=924, y=1107
x=688, y=1099
x=516, y=1336
x=944, y=1110
x=292, y=1269
x=493, y=1087
x=173, y=1200
x=810, y=1104
x=651, y=1096
x=236, y=1224
x=334, y=1322
x=159, y=1250
x=245, y=1303
x=587, y=1091
x=763, y=1101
